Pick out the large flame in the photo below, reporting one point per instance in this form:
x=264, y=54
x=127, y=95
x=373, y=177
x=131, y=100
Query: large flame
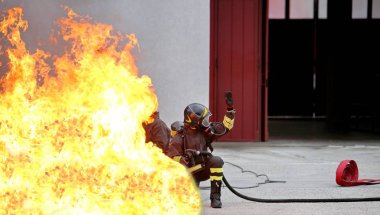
x=71, y=140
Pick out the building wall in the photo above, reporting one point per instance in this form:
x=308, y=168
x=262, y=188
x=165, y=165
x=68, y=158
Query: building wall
x=173, y=36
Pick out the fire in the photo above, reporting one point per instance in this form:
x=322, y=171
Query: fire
x=71, y=140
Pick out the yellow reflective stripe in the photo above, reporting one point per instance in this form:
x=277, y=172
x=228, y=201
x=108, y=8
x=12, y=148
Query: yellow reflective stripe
x=173, y=133
x=194, y=168
x=216, y=178
x=188, y=119
x=205, y=112
x=216, y=170
x=228, y=123
x=177, y=158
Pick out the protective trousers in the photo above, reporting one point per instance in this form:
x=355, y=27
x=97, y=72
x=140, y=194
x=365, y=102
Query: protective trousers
x=214, y=171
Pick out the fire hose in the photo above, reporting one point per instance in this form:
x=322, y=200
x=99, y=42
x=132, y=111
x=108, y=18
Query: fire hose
x=347, y=174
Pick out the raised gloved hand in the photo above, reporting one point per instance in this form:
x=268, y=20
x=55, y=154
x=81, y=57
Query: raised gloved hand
x=228, y=120
x=229, y=100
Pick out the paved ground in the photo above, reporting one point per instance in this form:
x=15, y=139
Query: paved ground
x=307, y=165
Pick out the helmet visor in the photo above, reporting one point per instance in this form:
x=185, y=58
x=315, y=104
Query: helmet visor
x=206, y=121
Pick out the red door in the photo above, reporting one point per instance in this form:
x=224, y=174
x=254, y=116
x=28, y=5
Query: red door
x=237, y=63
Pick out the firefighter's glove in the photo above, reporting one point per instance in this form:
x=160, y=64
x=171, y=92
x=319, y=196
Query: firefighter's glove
x=229, y=100
x=191, y=153
x=185, y=160
x=229, y=119
x=187, y=157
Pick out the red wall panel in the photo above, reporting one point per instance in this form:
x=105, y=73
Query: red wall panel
x=235, y=60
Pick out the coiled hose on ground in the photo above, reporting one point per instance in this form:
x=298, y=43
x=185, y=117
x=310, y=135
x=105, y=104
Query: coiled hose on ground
x=346, y=175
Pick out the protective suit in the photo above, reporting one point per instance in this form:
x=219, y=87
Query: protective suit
x=191, y=146
x=157, y=132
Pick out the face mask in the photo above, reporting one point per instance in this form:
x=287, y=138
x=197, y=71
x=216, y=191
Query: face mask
x=206, y=121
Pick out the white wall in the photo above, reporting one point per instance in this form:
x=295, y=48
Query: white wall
x=173, y=35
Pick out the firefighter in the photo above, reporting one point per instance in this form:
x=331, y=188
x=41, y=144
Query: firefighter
x=176, y=127
x=191, y=145
x=157, y=132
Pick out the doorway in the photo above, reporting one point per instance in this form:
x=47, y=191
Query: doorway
x=320, y=64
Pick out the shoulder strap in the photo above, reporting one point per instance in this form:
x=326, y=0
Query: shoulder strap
x=208, y=144
x=184, y=143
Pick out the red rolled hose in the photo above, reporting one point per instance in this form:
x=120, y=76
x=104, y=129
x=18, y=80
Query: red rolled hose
x=347, y=174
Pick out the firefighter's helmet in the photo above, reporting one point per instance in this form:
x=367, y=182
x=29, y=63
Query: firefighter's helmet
x=196, y=116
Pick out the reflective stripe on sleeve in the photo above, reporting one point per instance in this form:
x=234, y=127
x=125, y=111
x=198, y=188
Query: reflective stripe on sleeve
x=177, y=158
x=228, y=123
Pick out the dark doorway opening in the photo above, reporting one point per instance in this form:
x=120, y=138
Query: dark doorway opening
x=325, y=70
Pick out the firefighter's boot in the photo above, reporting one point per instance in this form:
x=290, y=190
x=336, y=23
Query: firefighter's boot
x=215, y=194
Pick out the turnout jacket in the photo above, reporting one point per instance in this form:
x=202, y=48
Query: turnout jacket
x=158, y=133
x=199, y=140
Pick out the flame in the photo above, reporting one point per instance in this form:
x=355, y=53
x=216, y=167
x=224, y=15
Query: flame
x=71, y=140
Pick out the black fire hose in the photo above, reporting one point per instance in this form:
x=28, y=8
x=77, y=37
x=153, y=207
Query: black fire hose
x=296, y=200
x=234, y=191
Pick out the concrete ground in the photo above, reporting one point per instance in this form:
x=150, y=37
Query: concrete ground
x=308, y=164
